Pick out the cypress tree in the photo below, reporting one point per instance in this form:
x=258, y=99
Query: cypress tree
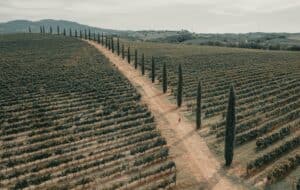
x=44, y=30
x=165, y=79
x=102, y=39
x=76, y=33
x=94, y=36
x=230, y=128
x=179, y=87
x=98, y=40
x=112, y=44
x=85, y=35
x=70, y=32
x=80, y=34
x=57, y=30
x=50, y=30
x=128, y=55
x=89, y=34
x=29, y=29
x=106, y=41
x=109, y=43
x=118, y=46
x=198, y=109
x=123, y=51
x=64, y=33
x=153, y=70
x=41, y=29
x=143, y=64
x=135, y=59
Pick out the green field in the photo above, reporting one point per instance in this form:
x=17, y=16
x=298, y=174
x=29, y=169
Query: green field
x=267, y=85
x=71, y=120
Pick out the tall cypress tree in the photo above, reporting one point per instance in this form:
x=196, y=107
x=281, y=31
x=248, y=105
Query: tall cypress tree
x=29, y=29
x=128, y=55
x=102, y=39
x=70, y=32
x=118, y=46
x=44, y=31
x=198, y=108
x=135, y=59
x=230, y=128
x=153, y=70
x=57, y=30
x=94, y=36
x=112, y=45
x=143, y=64
x=106, y=45
x=98, y=40
x=123, y=51
x=109, y=43
x=165, y=79
x=179, y=86
x=80, y=34
x=89, y=34
x=85, y=34
x=76, y=35
x=41, y=29
x=50, y=29
x=64, y=33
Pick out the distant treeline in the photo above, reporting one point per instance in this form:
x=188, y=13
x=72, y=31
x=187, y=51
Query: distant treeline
x=250, y=41
x=253, y=45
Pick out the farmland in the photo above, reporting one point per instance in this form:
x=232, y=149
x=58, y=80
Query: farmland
x=267, y=85
x=70, y=120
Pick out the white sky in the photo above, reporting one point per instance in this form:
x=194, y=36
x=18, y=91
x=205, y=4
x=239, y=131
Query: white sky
x=213, y=16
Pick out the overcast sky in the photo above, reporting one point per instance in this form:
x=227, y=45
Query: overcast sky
x=206, y=16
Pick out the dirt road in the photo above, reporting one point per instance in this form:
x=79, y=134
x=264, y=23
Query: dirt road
x=197, y=167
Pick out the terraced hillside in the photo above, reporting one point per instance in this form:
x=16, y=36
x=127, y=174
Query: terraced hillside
x=267, y=85
x=69, y=120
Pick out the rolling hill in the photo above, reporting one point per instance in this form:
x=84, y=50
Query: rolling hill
x=256, y=40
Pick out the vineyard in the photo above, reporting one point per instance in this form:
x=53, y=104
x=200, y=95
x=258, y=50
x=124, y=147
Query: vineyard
x=70, y=120
x=267, y=85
